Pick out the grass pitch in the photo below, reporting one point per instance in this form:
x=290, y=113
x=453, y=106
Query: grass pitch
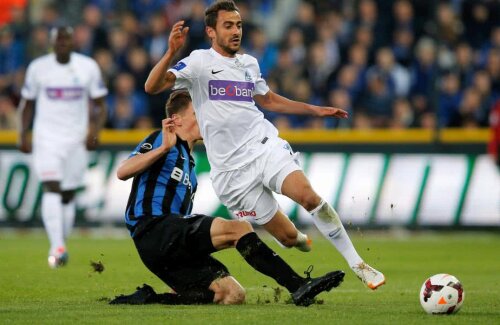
x=30, y=292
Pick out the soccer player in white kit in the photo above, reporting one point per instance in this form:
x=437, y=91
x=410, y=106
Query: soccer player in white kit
x=65, y=126
x=248, y=160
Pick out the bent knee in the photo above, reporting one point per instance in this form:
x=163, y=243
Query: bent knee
x=240, y=228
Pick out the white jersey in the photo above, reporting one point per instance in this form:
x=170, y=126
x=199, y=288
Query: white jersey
x=222, y=91
x=62, y=94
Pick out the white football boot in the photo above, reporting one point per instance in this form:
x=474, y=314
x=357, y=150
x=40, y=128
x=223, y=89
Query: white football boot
x=368, y=275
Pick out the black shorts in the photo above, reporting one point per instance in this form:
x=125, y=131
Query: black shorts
x=177, y=250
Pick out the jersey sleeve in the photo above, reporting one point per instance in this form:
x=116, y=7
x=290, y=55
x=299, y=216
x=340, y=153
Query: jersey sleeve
x=30, y=86
x=96, y=88
x=149, y=143
x=186, y=70
x=261, y=87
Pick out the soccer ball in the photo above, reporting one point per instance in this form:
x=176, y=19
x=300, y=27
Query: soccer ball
x=442, y=294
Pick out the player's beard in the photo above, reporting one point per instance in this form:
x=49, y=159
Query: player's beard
x=228, y=49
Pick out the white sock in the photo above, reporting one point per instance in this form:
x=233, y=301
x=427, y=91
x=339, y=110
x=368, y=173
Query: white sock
x=328, y=223
x=69, y=212
x=52, y=215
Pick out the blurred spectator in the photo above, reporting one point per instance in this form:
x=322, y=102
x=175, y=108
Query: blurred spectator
x=138, y=67
x=83, y=40
x=130, y=25
x=196, y=23
x=446, y=28
x=492, y=44
x=126, y=105
x=402, y=114
x=464, y=63
x=469, y=111
x=93, y=19
x=368, y=19
x=398, y=77
x=285, y=73
x=482, y=83
x=449, y=99
x=50, y=16
x=347, y=79
x=477, y=22
x=119, y=46
x=305, y=22
x=296, y=44
x=38, y=44
x=404, y=17
x=493, y=68
x=402, y=46
x=319, y=68
x=157, y=41
x=262, y=50
x=424, y=70
x=340, y=98
x=109, y=69
x=11, y=57
x=377, y=101
x=364, y=37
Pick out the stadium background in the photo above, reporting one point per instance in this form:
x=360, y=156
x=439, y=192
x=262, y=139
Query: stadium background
x=420, y=80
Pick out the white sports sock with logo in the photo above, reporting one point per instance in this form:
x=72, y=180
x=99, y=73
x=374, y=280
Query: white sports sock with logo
x=328, y=223
x=69, y=212
x=52, y=215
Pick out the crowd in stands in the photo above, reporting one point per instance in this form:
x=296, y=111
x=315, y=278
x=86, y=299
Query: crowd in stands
x=390, y=63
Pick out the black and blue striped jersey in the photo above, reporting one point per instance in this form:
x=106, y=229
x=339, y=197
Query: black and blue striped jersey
x=166, y=187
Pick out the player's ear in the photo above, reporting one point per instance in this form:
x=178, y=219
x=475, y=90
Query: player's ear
x=210, y=32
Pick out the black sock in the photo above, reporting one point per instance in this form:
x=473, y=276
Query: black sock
x=188, y=298
x=266, y=261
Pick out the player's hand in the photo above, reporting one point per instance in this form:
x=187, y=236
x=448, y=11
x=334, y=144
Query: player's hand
x=177, y=36
x=24, y=144
x=169, y=137
x=331, y=112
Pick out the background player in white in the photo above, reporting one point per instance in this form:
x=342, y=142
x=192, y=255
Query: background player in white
x=65, y=125
x=248, y=160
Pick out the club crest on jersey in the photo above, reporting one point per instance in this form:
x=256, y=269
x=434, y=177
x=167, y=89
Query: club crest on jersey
x=179, y=66
x=248, y=76
x=64, y=93
x=230, y=90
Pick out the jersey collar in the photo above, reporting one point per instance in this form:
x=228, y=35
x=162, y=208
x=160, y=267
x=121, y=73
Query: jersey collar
x=217, y=54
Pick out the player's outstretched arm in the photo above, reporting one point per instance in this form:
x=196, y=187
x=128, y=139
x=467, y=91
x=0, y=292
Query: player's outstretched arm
x=139, y=163
x=159, y=78
x=277, y=103
x=26, y=108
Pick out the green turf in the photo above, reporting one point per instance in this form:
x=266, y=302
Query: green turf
x=32, y=293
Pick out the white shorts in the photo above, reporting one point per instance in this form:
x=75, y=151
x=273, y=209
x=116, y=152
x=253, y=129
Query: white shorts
x=64, y=163
x=247, y=191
